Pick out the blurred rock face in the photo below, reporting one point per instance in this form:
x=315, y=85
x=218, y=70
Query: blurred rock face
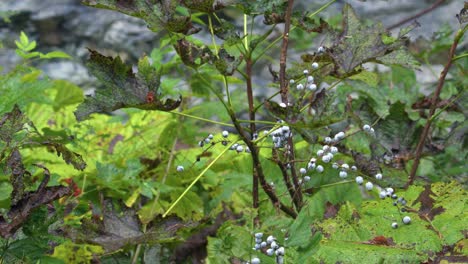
x=72, y=27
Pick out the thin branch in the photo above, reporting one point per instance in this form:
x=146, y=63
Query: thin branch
x=421, y=13
x=284, y=53
x=435, y=98
x=286, y=178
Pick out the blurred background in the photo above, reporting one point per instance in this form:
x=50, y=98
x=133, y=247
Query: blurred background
x=69, y=26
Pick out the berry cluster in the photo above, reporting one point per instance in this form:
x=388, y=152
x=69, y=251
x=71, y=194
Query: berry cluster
x=309, y=83
x=269, y=246
x=280, y=136
x=326, y=155
x=368, y=129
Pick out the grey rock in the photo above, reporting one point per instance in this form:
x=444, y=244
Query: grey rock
x=68, y=70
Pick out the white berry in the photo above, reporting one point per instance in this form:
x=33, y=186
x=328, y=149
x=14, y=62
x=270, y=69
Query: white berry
x=340, y=135
x=335, y=165
x=315, y=65
x=310, y=79
x=394, y=225
x=353, y=168
x=378, y=176
x=310, y=165
x=320, y=152
x=302, y=170
x=306, y=178
x=300, y=86
x=327, y=140
x=239, y=148
x=359, y=180
x=180, y=168
x=369, y=186
x=291, y=81
x=326, y=158
x=210, y=136
x=225, y=133
x=263, y=244
x=270, y=239
x=345, y=166
x=320, y=49
x=333, y=150
x=306, y=72
x=319, y=168
x=280, y=251
x=279, y=260
x=389, y=191
x=274, y=245
x=343, y=174
x=406, y=220
x=270, y=252
x=312, y=87
x=258, y=235
x=383, y=194
x=283, y=105
x=255, y=261
x=366, y=128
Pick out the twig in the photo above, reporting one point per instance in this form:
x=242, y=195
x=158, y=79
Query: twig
x=286, y=178
x=250, y=99
x=421, y=13
x=434, y=101
x=284, y=53
x=259, y=170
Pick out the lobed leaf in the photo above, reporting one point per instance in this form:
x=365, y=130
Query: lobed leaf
x=122, y=88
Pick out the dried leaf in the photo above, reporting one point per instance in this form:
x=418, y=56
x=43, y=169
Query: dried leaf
x=191, y=54
x=29, y=201
x=158, y=15
x=225, y=63
x=68, y=156
x=10, y=123
x=358, y=43
x=426, y=208
x=122, y=88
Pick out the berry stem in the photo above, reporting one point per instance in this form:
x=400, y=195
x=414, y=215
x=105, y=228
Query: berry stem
x=284, y=53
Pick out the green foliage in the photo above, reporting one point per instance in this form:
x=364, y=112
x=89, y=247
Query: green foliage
x=142, y=186
x=123, y=88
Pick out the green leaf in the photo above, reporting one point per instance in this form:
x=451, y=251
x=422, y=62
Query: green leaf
x=399, y=57
x=122, y=88
x=67, y=94
x=5, y=191
x=231, y=241
x=225, y=63
x=351, y=252
x=24, y=40
x=161, y=15
x=262, y=6
x=358, y=43
x=55, y=54
x=371, y=78
x=76, y=253
x=30, y=46
x=227, y=32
